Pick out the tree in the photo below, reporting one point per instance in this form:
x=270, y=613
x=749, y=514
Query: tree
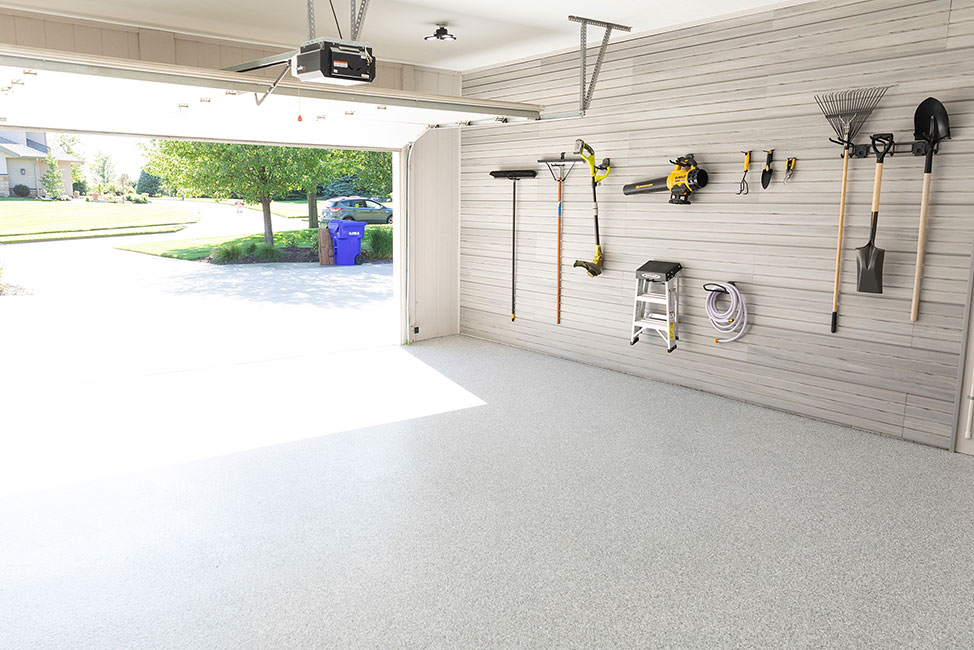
x=125, y=182
x=252, y=173
x=312, y=167
x=52, y=181
x=148, y=184
x=373, y=170
x=103, y=168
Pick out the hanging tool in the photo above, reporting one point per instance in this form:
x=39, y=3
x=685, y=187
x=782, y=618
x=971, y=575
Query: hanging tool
x=768, y=172
x=685, y=178
x=599, y=172
x=790, y=167
x=731, y=322
x=560, y=168
x=747, y=164
x=846, y=112
x=869, y=258
x=514, y=175
x=930, y=124
x=657, y=303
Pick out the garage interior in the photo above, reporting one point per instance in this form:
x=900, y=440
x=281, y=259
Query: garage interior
x=525, y=473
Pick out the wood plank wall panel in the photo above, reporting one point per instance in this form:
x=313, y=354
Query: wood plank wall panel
x=743, y=83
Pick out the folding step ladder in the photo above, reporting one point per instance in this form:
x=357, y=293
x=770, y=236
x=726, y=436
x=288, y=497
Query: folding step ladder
x=657, y=305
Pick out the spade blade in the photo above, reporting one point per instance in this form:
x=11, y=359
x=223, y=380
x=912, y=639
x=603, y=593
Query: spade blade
x=766, y=178
x=869, y=260
x=930, y=121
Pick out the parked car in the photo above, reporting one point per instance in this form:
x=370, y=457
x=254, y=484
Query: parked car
x=356, y=208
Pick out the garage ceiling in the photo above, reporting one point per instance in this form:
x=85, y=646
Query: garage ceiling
x=124, y=97
x=488, y=32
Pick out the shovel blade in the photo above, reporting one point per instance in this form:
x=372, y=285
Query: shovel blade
x=869, y=260
x=930, y=121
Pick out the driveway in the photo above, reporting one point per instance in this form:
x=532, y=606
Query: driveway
x=118, y=356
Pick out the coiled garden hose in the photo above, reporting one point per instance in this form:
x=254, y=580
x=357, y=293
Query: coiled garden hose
x=731, y=323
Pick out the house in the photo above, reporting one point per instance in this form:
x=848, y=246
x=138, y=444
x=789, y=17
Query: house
x=23, y=161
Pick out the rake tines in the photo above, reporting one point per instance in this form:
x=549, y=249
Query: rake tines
x=848, y=110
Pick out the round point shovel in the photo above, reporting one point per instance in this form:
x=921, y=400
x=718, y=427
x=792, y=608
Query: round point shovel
x=869, y=258
x=930, y=124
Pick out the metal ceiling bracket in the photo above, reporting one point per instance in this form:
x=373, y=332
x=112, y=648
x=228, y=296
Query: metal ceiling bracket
x=587, y=90
x=273, y=86
x=358, y=18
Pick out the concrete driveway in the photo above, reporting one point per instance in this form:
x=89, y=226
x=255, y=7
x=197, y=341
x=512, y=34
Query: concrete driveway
x=120, y=361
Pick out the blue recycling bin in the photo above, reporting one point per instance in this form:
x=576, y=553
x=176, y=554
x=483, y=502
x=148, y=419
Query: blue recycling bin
x=347, y=237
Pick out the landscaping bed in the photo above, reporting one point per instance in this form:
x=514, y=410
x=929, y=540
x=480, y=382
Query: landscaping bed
x=290, y=254
x=289, y=246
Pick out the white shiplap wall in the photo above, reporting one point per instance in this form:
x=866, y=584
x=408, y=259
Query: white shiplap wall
x=713, y=90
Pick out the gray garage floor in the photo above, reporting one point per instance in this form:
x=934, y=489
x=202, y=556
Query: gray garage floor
x=538, y=504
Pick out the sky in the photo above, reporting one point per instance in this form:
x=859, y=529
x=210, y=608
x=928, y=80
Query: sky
x=124, y=151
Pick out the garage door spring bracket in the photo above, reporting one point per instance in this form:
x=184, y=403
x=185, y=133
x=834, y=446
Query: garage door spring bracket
x=587, y=90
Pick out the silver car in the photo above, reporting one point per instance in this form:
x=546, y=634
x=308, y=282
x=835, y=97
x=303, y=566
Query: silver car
x=356, y=208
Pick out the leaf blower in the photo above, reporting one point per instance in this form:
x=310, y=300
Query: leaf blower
x=599, y=172
x=682, y=181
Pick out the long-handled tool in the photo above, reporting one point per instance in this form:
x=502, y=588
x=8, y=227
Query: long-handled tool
x=599, y=172
x=514, y=175
x=931, y=124
x=560, y=168
x=747, y=164
x=869, y=258
x=846, y=111
x=685, y=178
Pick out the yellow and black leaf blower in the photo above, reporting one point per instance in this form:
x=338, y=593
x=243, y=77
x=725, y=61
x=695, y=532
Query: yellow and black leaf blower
x=685, y=178
x=599, y=172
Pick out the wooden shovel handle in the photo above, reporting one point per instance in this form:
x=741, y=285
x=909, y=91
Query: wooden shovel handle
x=921, y=245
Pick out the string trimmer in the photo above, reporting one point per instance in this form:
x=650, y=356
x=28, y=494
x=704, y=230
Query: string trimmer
x=599, y=172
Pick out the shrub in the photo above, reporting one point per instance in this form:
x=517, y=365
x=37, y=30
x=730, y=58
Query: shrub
x=228, y=252
x=80, y=186
x=289, y=240
x=136, y=198
x=266, y=253
x=378, y=242
x=249, y=248
x=21, y=190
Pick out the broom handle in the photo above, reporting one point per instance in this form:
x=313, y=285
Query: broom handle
x=838, y=248
x=513, y=246
x=558, y=290
x=921, y=244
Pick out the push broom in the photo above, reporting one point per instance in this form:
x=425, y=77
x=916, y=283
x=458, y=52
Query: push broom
x=847, y=112
x=514, y=175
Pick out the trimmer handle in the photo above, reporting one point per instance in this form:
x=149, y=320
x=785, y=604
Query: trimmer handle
x=882, y=145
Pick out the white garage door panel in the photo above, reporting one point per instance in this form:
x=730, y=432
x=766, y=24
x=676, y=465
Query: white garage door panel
x=48, y=91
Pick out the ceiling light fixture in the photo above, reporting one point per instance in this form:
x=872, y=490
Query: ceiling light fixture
x=441, y=34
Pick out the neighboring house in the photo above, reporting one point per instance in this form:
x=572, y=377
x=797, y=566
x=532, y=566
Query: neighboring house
x=23, y=161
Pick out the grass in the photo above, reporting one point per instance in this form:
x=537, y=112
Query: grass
x=377, y=244
x=91, y=234
x=30, y=217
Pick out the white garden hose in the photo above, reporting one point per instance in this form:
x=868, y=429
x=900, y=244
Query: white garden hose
x=732, y=323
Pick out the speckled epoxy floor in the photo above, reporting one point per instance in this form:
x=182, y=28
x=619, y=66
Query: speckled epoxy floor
x=577, y=508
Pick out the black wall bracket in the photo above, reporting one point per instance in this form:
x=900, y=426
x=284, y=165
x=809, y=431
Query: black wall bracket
x=915, y=148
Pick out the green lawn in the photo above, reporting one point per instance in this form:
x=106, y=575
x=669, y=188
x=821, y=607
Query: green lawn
x=90, y=234
x=23, y=217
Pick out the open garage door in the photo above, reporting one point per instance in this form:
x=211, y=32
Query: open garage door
x=46, y=90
